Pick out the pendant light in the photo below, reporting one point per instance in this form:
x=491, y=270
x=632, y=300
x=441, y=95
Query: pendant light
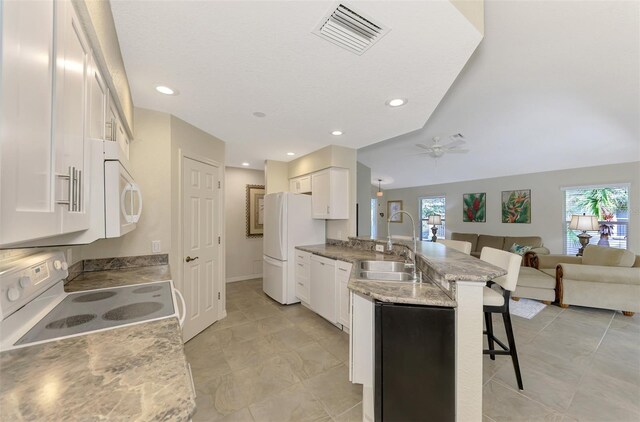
x=379, y=193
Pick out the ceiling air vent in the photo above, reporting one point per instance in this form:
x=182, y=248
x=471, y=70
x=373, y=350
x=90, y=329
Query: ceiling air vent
x=350, y=29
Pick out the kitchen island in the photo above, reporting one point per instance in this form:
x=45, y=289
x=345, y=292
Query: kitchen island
x=136, y=372
x=451, y=280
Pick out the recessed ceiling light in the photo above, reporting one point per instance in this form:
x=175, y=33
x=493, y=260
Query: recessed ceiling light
x=259, y=114
x=245, y=164
x=336, y=133
x=291, y=153
x=397, y=102
x=165, y=90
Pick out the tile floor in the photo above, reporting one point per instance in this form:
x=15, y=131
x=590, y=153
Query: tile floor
x=268, y=362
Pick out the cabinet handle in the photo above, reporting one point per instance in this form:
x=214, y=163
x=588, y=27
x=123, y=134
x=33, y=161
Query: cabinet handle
x=75, y=190
x=80, y=190
x=322, y=263
x=300, y=265
x=327, y=209
x=70, y=202
x=342, y=269
x=302, y=284
x=109, y=131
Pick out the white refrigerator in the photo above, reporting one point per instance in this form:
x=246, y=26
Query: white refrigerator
x=287, y=224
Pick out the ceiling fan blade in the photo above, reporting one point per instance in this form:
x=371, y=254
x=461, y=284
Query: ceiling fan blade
x=454, y=144
x=459, y=150
x=423, y=146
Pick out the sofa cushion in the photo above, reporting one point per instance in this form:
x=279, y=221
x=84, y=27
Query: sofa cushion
x=533, y=241
x=466, y=237
x=608, y=257
x=496, y=242
x=519, y=249
x=549, y=271
x=530, y=277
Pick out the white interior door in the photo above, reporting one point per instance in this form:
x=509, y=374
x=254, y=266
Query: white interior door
x=201, y=245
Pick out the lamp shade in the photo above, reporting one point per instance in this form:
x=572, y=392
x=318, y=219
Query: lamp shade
x=435, y=219
x=584, y=222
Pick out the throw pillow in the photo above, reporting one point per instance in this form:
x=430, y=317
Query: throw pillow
x=519, y=249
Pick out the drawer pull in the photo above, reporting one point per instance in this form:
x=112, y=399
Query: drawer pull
x=300, y=283
x=299, y=264
x=342, y=269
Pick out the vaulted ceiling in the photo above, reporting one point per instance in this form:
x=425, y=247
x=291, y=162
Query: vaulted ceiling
x=231, y=59
x=553, y=85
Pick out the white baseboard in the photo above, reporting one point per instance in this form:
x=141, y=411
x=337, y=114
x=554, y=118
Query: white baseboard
x=243, y=277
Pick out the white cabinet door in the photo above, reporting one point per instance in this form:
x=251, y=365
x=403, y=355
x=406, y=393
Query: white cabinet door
x=321, y=195
x=304, y=184
x=330, y=194
x=303, y=275
x=361, y=340
x=115, y=128
x=294, y=185
x=70, y=105
x=323, y=287
x=343, y=272
x=27, y=154
x=96, y=103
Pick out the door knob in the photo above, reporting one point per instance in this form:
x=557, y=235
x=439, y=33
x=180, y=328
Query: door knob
x=189, y=259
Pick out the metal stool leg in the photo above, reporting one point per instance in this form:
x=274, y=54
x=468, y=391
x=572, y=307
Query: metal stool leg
x=489, y=323
x=512, y=347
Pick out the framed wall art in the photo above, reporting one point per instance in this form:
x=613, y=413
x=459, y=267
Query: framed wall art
x=393, y=206
x=255, y=210
x=474, y=207
x=516, y=206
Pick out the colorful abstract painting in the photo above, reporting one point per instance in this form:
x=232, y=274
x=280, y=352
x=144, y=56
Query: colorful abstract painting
x=474, y=207
x=516, y=206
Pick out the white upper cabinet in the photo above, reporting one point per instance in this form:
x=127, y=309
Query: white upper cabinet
x=300, y=184
x=96, y=104
x=72, y=161
x=115, y=128
x=330, y=194
x=27, y=152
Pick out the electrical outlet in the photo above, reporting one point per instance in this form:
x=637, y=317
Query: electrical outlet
x=379, y=248
x=155, y=246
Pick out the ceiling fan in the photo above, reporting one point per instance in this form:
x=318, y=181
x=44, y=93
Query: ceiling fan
x=437, y=150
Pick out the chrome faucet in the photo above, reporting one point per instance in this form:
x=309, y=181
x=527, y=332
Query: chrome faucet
x=415, y=241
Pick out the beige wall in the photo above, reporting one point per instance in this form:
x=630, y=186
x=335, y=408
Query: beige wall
x=97, y=21
x=364, y=199
x=244, y=254
x=150, y=159
x=276, y=175
x=547, y=202
x=473, y=10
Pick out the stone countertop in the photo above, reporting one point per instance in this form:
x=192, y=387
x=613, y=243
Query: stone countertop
x=425, y=293
x=118, y=277
x=137, y=372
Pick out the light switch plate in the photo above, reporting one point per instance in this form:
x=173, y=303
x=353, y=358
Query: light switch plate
x=155, y=246
x=379, y=248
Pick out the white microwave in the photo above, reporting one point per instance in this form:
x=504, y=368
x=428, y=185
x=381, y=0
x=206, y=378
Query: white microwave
x=122, y=200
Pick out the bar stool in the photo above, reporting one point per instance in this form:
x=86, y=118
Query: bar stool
x=459, y=245
x=496, y=300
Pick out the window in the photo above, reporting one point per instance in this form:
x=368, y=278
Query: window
x=429, y=206
x=609, y=203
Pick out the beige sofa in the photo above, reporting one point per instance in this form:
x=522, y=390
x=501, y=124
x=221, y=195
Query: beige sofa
x=499, y=242
x=606, y=278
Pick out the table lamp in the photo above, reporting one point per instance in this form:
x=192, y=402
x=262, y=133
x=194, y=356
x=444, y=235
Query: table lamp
x=436, y=220
x=584, y=223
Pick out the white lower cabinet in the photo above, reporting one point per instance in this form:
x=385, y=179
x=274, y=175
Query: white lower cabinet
x=303, y=275
x=362, y=350
x=323, y=287
x=343, y=272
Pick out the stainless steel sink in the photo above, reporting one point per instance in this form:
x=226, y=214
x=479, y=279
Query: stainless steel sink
x=385, y=276
x=386, y=266
x=385, y=271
